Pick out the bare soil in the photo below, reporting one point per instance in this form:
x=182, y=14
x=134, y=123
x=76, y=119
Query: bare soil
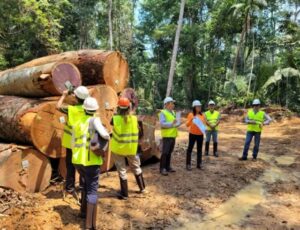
x=186, y=197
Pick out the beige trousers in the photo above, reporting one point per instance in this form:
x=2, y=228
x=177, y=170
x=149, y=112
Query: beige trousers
x=133, y=161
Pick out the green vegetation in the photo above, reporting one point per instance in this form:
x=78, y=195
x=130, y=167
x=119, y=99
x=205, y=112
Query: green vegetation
x=229, y=50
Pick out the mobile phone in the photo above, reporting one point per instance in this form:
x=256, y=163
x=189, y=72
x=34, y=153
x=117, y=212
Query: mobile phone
x=69, y=86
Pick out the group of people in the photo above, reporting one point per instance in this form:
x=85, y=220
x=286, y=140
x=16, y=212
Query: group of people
x=81, y=127
x=200, y=123
x=83, y=124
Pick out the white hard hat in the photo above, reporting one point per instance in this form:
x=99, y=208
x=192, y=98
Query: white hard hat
x=196, y=103
x=82, y=92
x=256, y=102
x=211, y=102
x=168, y=99
x=90, y=104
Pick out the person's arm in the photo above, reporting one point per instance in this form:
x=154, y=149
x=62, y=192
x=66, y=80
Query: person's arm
x=267, y=119
x=59, y=105
x=189, y=120
x=248, y=121
x=100, y=128
x=163, y=123
x=218, y=121
x=206, y=122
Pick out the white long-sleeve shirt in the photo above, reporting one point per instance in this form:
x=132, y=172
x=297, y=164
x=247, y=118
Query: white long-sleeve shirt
x=97, y=125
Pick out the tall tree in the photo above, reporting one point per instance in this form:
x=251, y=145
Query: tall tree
x=175, y=49
x=110, y=24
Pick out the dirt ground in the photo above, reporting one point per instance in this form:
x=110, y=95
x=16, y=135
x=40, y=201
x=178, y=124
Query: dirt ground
x=226, y=194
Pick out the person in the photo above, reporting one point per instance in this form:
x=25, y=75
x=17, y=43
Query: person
x=195, y=135
x=86, y=161
x=74, y=113
x=56, y=177
x=212, y=119
x=168, y=124
x=255, y=121
x=124, y=145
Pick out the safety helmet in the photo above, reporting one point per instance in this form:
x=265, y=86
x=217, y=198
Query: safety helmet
x=90, y=104
x=81, y=92
x=196, y=103
x=168, y=99
x=256, y=102
x=211, y=102
x=123, y=103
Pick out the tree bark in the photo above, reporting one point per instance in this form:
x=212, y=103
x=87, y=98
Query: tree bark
x=175, y=49
x=23, y=168
x=39, y=81
x=95, y=66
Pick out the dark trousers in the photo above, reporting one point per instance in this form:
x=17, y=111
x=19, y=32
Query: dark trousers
x=168, y=144
x=55, y=167
x=70, y=177
x=90, y=181
x=248, y=140
x=192, y=139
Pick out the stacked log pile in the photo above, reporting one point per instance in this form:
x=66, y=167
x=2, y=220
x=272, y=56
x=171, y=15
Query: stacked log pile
x=29, y=93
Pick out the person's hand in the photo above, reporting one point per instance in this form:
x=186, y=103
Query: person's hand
x=174, y=122
x=65, y=92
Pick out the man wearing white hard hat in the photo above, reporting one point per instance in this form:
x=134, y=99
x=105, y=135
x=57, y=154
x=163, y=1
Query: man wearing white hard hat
x=195, y=135
x=168, y=124
x=255, y=121
x=74, y=112
x=88, y=161
x=212, y=118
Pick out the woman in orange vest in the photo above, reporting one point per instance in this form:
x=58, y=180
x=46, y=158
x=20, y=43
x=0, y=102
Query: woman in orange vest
x=195, y=135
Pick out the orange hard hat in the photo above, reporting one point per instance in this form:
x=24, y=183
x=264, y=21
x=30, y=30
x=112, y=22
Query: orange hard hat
x=123, y=103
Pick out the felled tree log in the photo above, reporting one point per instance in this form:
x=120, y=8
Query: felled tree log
x=147, y=143
x=96, y=66
x=39, y=81
x=22, y=168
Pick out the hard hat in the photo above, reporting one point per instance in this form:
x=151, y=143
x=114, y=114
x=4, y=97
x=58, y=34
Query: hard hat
x=82, y=92
x=196, y=103
x=256, y=102
x=211, y=102
x=123, y=103
x=90, y=104
x=168, y=99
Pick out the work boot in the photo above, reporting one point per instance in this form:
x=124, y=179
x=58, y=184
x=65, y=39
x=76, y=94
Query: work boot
x=216, y=149
x=83, y=204
x=171, y=170
x=189, y=167
x=91, y=216
x=243, y=158
x=95, y=217
x=123, y=195
x=206, y=148
x=140, y=181
x=164, y=172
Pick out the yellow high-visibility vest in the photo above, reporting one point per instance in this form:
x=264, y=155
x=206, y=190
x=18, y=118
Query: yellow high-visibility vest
x=125, y=136
x=74, y=114
x=170, y=117
x=81, y=152
x=212, y=118
x=259, y=117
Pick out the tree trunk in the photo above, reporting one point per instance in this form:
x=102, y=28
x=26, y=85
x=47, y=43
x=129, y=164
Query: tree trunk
x=147, y=143
x=39, y=81
x=175, y=49
x=95, y=66
x=110, y=25
x=22, y=168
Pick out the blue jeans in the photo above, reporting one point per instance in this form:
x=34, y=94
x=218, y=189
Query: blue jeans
x=90, y=176
x=248, y=140
x=214, y=134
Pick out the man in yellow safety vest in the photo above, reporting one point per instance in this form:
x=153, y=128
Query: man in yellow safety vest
x=212, y=118
x=168, y=124
x=74, y=112
x=255, y=121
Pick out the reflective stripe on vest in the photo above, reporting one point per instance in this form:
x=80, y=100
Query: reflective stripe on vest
x=170, y=117
x=125, y=136
x=81, y=152
x=259, y=117
x=74, y=114
x=212, y=118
